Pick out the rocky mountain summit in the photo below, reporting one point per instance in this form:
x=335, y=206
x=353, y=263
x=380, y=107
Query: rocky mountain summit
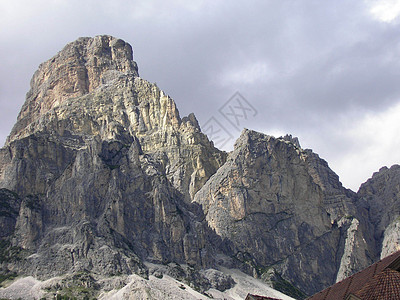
x=283, y=208
x=101, y=180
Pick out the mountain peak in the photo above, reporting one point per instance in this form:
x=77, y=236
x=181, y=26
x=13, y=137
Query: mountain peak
x=78, y=69
x=101, y=178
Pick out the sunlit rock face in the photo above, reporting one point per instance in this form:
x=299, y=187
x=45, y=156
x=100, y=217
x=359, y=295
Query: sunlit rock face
x=381, y=194
x=104, y=168
x=80, y=68
x=91, y=89
x=282, y=207
x=100, y=175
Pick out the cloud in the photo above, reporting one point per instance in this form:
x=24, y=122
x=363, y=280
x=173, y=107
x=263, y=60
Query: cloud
x=384, y=10
x=375, y=144
x=249, y=73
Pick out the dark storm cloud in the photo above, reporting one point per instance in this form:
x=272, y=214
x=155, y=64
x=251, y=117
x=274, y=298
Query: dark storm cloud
x=304, y=65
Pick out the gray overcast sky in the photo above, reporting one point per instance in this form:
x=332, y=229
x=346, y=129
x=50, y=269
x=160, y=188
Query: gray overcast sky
x=325, y=71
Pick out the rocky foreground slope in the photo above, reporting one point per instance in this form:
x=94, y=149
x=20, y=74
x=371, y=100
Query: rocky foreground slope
x=101, y=178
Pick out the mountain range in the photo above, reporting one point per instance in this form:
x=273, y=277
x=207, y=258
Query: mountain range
x=106, y=191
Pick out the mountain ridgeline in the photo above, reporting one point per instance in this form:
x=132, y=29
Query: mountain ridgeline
x=101, y=176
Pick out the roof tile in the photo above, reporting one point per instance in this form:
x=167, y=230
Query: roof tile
x=357, y=282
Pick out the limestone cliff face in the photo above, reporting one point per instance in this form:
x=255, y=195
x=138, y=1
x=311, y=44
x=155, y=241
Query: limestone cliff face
x=9, y=208
x=282, y=207
x=80, y=68
x=104, y=169
x=381, y=194
x=101, y=175
x=91, y=88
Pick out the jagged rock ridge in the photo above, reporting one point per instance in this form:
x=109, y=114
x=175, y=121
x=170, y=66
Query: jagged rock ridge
x=104, y=169
x=283, y=208
x=100, y=175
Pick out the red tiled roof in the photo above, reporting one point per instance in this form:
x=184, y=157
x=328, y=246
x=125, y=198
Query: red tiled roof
x=362, y=279
x=383, y=286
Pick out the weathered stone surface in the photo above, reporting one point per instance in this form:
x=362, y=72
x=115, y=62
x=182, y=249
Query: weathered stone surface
x=218, y=280
x=200, y=281
x=380, y=195
x=105, y=168
x=282, y=207
x=80, y=68
x=391, y=239
x=123, y=107
x=101, y=176
x=357, y=251
x=9, y=208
